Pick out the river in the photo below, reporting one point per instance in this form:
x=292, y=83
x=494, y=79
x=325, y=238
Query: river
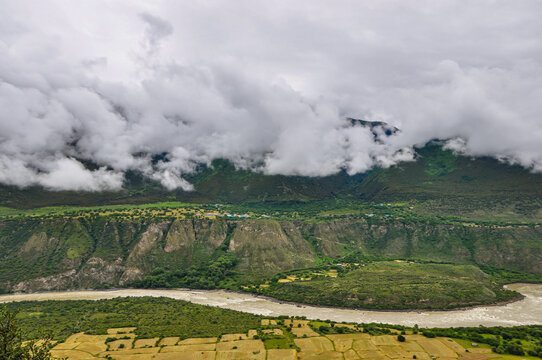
x=527, y=311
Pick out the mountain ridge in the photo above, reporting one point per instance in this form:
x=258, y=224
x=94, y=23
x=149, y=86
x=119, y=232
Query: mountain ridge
x=435, y=174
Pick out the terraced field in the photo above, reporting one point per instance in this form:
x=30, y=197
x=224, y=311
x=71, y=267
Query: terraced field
x=296, y=339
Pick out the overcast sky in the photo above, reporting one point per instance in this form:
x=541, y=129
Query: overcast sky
x=266, y=84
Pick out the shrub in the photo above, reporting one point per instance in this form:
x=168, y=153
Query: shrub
x=11, y=344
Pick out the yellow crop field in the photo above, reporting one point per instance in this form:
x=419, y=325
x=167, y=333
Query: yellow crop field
x=351, y=355
x=304, y=331
x=188, y=355
x=281, y=354
x=131, y=357
x=190, y=347
x=351, y=346
x=437, y=348
x=66, y=345
x=124, y=330
x=411, y=345
x=198, y=341
x=364, y=345
x=302, y=323
x=94, y=347
x=241, y=345
x=453, y=345
x=74, y=337
x=239, y=355
x=348, y=326
x=385, y=340
x=343, y=344
x=277, y=332
x=324, y=355
x=372, y=354
x=120, y=344
x=169, y=341
x=140, y=343
x=354, y=336
x=72, y=354
x=420, y=355
x=394, y=351
x=232, y=337
x=301, y=328
x=314, y=344
x=131, y=351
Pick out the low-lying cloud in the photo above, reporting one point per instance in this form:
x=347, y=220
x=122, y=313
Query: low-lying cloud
x=268, y=85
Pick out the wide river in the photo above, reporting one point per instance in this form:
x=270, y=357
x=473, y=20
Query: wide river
x=524, y=312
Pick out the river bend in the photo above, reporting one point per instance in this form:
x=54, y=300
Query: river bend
x=527, y=311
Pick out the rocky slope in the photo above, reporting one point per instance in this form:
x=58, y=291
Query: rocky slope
x=103, y=251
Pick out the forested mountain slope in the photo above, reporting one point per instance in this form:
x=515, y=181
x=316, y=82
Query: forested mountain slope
x=441, y=207
x=98, y=252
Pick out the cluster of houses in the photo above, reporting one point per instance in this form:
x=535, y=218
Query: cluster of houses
x=236, y=215
x=242, y=216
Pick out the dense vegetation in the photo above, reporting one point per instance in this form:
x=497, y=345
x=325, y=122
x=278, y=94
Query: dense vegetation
x=518, y=340
x=12, y=346
x=395, y=285
x=211, y=275
x=163, y=317
x=153, y=317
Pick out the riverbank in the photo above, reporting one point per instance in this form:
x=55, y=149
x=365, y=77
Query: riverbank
x=527, y=311
x=62, y=293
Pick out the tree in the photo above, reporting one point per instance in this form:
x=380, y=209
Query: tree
x=11, y=341
x=401, y=338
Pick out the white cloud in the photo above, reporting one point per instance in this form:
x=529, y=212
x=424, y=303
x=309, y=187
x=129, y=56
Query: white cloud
x=266, y=85
x=69, y=174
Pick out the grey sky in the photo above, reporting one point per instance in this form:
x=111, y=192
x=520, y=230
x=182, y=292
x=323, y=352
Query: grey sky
x=265, y=84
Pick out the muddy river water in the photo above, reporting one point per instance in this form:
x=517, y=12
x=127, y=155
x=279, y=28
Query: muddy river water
x=524, y=312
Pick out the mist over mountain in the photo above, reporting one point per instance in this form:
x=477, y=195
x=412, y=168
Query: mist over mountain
x=163, y=87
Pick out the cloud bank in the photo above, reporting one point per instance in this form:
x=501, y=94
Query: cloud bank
x=267, y=85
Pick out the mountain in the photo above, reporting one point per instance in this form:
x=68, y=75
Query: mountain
x=442, y=207
x=438, y=180
x=98, y=251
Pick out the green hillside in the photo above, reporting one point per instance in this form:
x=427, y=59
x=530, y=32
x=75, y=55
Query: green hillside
x=74, y=251
x=442, y=182
x=396, y=285
x=241, y=228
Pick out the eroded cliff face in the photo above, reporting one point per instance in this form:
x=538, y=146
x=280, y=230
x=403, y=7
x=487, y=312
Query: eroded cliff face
x=268, y=247
x=510, y=247
x=106, y=252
